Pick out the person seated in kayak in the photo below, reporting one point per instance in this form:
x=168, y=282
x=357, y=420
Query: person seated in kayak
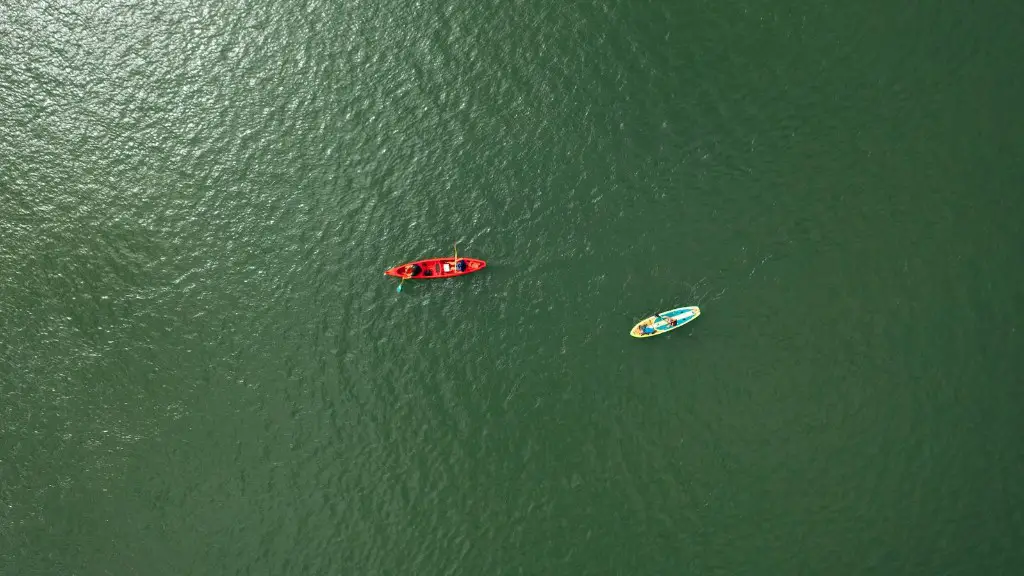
x=460, y=265
x=413, y=270
x=669, y=321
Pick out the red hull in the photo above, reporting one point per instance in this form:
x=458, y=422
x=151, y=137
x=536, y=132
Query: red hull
x=433, y=268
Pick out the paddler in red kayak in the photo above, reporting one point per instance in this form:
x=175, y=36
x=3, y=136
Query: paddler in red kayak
x=460, y=264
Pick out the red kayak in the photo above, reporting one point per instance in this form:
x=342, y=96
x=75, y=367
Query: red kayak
x=432, y=268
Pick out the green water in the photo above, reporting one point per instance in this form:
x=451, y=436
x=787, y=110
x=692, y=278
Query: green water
x=204, y=371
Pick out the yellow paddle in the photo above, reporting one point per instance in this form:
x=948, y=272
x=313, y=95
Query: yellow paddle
x=455, y=262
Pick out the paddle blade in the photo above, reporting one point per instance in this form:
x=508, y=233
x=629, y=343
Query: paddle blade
x=399, y=289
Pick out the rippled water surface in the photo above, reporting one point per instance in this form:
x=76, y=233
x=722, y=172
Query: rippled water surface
x=203, y=370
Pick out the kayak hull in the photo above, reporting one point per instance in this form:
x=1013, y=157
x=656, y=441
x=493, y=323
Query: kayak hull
x=682, y=316
x=435, y=268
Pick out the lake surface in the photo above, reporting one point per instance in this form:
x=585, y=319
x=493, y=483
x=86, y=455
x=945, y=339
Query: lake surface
x=204, y=371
